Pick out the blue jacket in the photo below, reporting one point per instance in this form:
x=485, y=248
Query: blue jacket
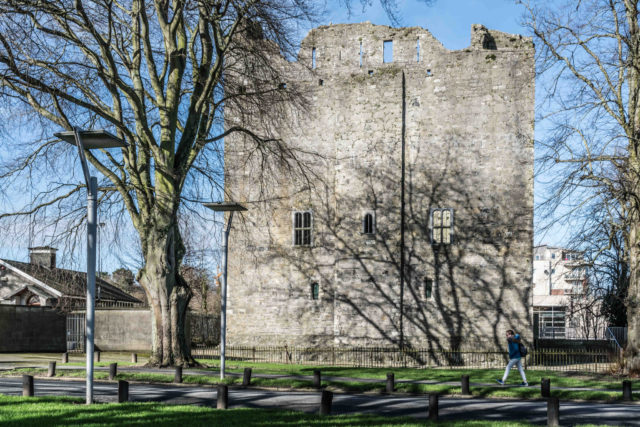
x=514, y=348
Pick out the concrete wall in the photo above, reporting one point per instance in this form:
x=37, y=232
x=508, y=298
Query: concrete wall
x=123, y=330
x=461, y=122
x=30, y=329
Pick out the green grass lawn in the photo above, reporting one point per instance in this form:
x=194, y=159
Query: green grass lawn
x=38, y=411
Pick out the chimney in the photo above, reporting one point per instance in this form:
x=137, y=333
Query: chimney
x=43, y=255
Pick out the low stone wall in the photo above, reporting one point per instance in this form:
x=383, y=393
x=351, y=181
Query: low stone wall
x=32, y=329
x=123, y=330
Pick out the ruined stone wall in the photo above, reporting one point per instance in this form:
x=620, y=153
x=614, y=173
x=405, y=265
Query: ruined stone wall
x=461, y=122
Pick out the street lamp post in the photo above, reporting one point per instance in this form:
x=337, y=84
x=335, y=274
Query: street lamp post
x=87, y=140
x=231, y=208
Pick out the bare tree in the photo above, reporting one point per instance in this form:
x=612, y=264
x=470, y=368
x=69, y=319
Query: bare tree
x=588, y=64
x=154, y=72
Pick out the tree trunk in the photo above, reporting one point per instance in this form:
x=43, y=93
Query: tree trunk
x=632, y=350
x=168, y=296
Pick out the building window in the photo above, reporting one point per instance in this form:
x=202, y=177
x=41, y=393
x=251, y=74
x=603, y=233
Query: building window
x=313, y=58
x=441, y=226
x=537, y=257
x=369, y=223
x=387, y=51
x=302, y=228
x=428, y=288
x=315, y=290
x=553, y=256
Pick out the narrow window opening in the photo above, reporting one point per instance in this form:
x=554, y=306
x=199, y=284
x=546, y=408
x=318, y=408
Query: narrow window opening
x=315, y=291
x=360, y=54
x=371, y=72
x=320, y=82
x=429, y=74
x=313, y=58
x=368, y=223
x=418, y=50
x=387, y=51
x=428, y=288
x=302, y=228
x=282, y=86
x=242, y=90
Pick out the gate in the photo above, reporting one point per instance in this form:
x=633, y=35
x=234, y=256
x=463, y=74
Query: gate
x=75, y=332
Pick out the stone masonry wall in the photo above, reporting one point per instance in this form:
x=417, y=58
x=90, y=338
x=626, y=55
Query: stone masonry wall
x=461, y=123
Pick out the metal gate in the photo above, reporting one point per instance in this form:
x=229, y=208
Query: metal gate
x=75, y=332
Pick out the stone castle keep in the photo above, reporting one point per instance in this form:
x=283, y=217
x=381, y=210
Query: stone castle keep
x=410, y=220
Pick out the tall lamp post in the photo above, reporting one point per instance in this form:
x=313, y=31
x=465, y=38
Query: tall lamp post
x=88, y=140
x=231, y=208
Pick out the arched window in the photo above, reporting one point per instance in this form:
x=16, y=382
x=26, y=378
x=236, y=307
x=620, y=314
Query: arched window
x=33, y=300
x=302, y=225
x=369, y=223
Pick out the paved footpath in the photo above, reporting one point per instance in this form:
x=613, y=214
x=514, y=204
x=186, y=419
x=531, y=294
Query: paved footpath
x=414, y=406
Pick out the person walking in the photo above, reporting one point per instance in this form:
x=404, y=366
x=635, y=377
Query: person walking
x=515, y=358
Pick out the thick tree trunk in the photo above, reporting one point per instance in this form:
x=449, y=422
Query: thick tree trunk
x=168, y=296
x=632, y=350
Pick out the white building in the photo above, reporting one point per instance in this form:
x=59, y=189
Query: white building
x=562, y=306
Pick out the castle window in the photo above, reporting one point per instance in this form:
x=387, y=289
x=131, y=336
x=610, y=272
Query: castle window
x=371, y=72
x=387, y=51
x=313, y=58
x=320, y=82
x=428, y=288
x=369, y=223
x=441, y=226
x=360, y=54
x=302, y=228
x=315, y=290
x=429, y=74
x=418, y=50
x=282, y=86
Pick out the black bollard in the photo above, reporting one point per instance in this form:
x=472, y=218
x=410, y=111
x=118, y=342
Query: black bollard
x=626, y=391
x=391, y=386
x=123, y=391
x=134, y=358
x=246, y=377
x=545, y=387
x=553, y=411
x=178, y=377
x=433, y=407
x=52, y=369
x=27, y=386
x=465, y=385
x=222, y=402
x=65, y=357
x=317, y=380
x=97, y=356
x=325, y=402
x=113, y=371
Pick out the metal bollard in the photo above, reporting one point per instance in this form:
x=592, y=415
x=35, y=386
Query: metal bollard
x=246, y=377
x=222, y=402
x=626, y=391
x=65, y=357
x=97, y=356
x=433, y=407
x=52, y=369
x=178, y=376
x=326, y=400
x=553, y=411
x=134, y=358
x=123, y=391
x=465, y=385
x=391, y=386
x=317, y=379
x=27, y=386
x=545, y=387
x=113, y=371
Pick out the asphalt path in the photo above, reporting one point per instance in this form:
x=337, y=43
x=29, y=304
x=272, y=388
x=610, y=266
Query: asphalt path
x=390, y=405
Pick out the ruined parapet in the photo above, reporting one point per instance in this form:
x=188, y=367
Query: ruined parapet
x=483, y=38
